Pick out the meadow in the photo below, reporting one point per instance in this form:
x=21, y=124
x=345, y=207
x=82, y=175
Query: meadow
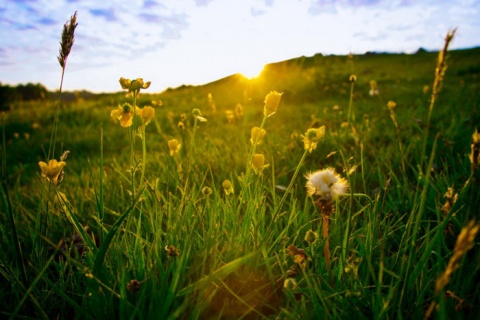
x=356, y=195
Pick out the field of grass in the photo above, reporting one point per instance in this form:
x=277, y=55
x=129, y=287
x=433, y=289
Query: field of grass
x=139, y=229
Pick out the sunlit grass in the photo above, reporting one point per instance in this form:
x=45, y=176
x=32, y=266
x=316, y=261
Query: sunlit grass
x=300, y=193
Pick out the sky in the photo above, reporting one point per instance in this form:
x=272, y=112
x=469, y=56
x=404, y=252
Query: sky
x=194, y=42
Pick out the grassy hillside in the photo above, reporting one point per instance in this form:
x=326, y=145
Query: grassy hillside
x=137, y=230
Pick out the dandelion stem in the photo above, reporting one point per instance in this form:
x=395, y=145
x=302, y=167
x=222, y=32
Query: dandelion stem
x=326, y=248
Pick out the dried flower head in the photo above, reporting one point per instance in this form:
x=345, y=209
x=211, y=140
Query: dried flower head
x=133, y=85
x=474, y=155
x=133, y=286
x=172, y=251
x=206, y=191
x=258, y=163
x=311, y=237
x=256, y=135
x=312, y=137
x=53, y=170
x=174, y=146
x=198, y=115
x=227, y=187
x=272, y=100
x=124, y=114
x=326, y=184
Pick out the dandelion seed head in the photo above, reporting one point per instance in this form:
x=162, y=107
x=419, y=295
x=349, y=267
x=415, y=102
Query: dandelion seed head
x=326, y=183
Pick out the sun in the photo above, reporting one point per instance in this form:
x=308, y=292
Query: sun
x=252, y=70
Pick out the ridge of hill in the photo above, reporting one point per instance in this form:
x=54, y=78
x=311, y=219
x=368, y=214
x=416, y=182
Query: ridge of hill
x=309, y=79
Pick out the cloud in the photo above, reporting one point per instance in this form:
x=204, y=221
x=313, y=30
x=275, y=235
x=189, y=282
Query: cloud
x=45, y=21
x=172, y=25
x=257, y=12
x=202, y=3
x=108, y=14
x=331, y=6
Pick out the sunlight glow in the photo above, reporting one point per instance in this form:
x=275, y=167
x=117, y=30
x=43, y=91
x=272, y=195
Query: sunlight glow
x=252, y=71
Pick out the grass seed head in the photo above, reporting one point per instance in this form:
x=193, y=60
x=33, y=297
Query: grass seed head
x=68, y=38
x=474, y=155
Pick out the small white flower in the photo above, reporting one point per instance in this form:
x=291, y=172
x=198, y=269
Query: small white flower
x=326, y=183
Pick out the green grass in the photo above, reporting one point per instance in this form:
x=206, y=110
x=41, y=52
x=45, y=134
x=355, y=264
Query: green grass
x=232, y=249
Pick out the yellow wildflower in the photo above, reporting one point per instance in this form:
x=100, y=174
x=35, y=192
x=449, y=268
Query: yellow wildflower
x=134, y=85
x=146, y=114
x=238, y=110
x=391, y=105
x=230, y=116
x=174, y=146
x=353, y=78
x=258, y=163
x=257, y=135
x=312, y=137
x=227, y=187
x=53, y=171
x=272, y=100
x=124, y=114
x=290, y=284
x=373, y=88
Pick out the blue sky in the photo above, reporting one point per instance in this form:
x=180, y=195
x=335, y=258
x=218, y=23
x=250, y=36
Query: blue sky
x=179, y=42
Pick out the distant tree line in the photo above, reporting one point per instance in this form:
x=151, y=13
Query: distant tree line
x=21, y=92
